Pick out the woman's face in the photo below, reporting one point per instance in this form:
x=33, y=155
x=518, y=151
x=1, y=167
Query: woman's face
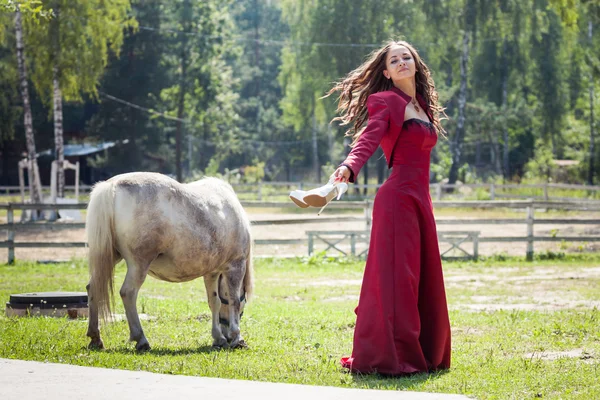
x=399, y=64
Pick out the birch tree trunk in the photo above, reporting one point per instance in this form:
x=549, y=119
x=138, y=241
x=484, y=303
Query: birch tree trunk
x=457, y=142
x=58, y=135
x=36, y=192
x=59, y=153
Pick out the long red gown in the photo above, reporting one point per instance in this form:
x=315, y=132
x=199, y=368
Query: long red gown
x=402, y=323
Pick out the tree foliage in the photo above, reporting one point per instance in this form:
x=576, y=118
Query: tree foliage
x=242, y=82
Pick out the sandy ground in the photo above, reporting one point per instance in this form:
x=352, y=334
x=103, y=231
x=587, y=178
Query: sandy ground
x=298, y=231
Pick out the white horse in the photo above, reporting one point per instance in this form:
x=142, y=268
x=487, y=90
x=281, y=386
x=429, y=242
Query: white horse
x=174, y=232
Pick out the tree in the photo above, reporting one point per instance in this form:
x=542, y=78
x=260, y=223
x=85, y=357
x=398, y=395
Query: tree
x=34, y=180
x=500, y=67
x=457, y=141
x=8, y=81
x=136, y=76
x=71, y=52
x=263, y=135
x=323, y=50
x=201, y=92
x=579, y=17
x=32, y=8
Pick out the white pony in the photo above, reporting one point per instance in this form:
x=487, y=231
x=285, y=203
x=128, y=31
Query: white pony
x=174, y=232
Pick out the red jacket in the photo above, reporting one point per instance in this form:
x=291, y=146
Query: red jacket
x=386, y=116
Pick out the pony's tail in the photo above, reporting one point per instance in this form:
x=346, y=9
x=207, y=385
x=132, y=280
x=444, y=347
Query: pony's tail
x=101, y=254
x=249, y=275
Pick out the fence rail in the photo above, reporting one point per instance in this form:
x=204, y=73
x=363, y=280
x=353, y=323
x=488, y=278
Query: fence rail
x=529, y=206
x=495, y=191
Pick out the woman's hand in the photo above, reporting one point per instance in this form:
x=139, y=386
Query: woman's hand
x=342, y=174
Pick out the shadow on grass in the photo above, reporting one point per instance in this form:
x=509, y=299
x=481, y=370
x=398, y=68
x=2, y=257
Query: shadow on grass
x=406, y=382
x=164, y=351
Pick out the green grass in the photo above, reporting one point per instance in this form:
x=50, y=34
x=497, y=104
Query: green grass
x=301, y=321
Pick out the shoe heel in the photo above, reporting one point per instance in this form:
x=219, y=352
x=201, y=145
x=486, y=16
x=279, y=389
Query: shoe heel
x=338, y=191
x=342, y=188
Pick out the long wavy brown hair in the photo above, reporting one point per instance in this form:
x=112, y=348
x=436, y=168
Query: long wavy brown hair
x=367, y=79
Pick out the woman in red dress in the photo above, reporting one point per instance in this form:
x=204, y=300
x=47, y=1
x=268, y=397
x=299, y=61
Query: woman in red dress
x=402, y=323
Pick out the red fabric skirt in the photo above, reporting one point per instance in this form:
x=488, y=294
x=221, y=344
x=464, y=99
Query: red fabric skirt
x=402, y=323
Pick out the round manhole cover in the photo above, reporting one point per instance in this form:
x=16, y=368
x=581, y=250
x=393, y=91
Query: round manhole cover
x=53, y=304
x=49, y=298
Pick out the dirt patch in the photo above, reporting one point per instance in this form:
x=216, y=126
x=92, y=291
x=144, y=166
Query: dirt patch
x=555, y=355
x=290, y=298
x=546, y=305
x=331, y=282
x=497, y=307
x=528, y=289
x=466, y=331
x=537, y=274
x=122, y=317
x=348, y=297
x=544, y=274
x=472, y=279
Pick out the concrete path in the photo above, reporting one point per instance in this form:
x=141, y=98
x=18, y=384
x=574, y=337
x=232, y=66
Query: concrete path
x=23, y=380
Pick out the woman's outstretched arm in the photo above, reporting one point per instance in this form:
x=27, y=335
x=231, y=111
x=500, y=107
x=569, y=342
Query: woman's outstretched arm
x=377, y=127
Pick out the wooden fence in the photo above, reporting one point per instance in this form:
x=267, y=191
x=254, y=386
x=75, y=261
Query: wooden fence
x=545, y=191
x=456, y=239
x=529, y=206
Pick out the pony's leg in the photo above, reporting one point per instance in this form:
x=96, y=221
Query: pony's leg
x=211, y=282
x=235, y=279
x=135, y=277
x=93, y=330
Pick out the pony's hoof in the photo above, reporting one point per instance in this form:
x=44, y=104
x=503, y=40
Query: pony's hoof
x=241, y=345
x=142, y=345
x=219, y=344
x=96, y=344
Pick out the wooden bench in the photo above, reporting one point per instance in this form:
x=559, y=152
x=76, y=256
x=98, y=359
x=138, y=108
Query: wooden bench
x=333, y=239
x=456, y=240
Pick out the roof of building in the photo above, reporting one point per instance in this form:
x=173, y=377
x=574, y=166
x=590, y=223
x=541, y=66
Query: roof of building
x=565, y=163
x=83, y=149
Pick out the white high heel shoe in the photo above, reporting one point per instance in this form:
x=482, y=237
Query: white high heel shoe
x=319, y=197
x=297, y=197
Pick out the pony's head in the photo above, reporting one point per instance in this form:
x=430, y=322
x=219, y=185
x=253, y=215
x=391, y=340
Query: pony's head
x=224, y=311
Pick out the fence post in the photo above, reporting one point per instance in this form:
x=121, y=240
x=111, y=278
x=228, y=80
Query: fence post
x=529, y=254
x=353, y=244
x=438, y=191
x=310, y=243
x=77, y=181
x=476, y=246
x=545, y=191
x=492, y=191
x=11, y=235
x=367, y=214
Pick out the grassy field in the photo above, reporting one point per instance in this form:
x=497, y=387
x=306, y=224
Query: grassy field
x=520, y=330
